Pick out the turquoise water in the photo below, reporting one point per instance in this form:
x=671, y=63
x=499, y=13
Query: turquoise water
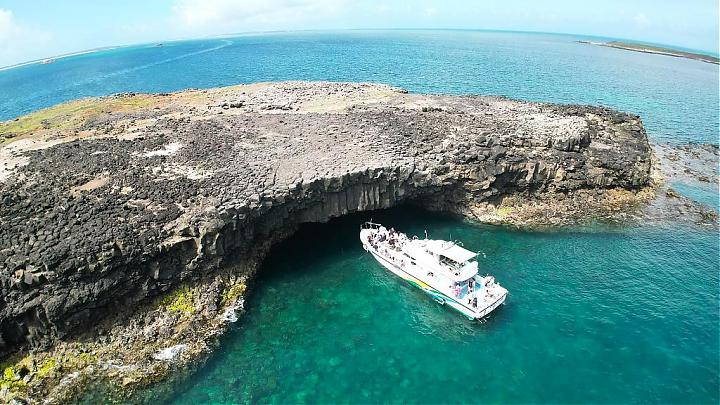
x=595, y=315
x=703, y=193
x=601, y=315
x=677, y=98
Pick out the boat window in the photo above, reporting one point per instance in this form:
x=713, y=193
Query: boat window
x=444, y=260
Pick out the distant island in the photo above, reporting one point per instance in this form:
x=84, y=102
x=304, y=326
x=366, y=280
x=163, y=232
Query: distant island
x=46, y=61
x=656, y=50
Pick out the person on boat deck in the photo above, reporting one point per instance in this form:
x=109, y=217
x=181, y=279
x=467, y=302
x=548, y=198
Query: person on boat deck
x=490, y=281
x=475, y=302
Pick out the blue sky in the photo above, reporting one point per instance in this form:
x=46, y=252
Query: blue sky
x=32, y=29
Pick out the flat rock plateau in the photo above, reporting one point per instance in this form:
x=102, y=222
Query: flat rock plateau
x=132, y=224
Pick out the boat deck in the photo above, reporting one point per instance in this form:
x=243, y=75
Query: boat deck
x=406, y=258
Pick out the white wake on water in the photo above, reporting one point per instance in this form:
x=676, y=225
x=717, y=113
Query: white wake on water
x=230, y=314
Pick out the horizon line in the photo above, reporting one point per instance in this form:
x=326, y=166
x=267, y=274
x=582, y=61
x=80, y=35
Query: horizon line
x=715, y=53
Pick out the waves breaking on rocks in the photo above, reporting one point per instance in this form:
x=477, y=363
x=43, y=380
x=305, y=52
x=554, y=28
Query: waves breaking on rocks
x=230, y=314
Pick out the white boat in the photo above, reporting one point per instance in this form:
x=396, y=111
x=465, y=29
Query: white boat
x=445, y=270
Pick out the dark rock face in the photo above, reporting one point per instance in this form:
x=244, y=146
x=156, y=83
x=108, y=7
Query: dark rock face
x=151, y=198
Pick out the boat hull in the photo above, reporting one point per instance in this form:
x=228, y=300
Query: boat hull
x=438, y=296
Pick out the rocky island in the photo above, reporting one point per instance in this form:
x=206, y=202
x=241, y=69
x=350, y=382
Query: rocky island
x=132, y=225
x=656, y=50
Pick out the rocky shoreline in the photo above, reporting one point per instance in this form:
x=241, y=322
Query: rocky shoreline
x=655, y=50
x=132, y=225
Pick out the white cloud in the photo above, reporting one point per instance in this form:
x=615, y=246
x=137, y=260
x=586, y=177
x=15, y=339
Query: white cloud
x=19, y=43
x=430, y=11
x=213, y=16
x=8, y=28
x=642, y=20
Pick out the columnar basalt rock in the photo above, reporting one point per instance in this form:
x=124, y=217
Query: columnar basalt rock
x=103, y=212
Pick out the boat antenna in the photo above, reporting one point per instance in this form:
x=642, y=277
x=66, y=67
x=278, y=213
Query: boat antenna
x=426, y=234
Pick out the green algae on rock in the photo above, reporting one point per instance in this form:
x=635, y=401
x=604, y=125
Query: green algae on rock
x=182, y=197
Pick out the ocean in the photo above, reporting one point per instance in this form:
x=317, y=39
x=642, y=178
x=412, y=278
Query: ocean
x=677, y=98
x=595, y=315
x=601, y=314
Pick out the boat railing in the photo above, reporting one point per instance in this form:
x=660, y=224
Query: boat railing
x=370, y=225
x=489, y=308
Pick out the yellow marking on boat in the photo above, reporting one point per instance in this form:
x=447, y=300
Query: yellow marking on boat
x=416, y=281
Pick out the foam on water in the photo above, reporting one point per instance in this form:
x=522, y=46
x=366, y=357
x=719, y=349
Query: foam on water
x=230, y=314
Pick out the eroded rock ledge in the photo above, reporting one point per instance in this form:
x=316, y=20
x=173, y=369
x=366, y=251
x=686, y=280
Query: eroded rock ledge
x=108, y=203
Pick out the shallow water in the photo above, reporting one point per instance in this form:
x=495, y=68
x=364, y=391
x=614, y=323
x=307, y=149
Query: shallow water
x=594, y=315
x=703, y=193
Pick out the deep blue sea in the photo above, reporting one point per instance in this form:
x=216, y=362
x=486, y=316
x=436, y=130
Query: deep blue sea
x=599, y=314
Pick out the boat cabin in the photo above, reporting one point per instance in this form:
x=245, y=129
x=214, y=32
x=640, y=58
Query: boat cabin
x=445, y=270
x=457, y=260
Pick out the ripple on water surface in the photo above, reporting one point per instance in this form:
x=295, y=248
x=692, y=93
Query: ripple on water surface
x=595, y=315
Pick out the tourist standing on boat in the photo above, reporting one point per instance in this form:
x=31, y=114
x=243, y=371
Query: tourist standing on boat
x=445, y=270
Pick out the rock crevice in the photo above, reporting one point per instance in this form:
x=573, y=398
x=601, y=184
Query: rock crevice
x=124, y=206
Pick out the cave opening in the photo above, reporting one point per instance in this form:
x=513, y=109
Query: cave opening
x=338, y=239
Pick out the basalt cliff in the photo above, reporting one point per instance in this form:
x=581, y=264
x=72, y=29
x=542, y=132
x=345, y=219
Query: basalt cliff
x=136, y=221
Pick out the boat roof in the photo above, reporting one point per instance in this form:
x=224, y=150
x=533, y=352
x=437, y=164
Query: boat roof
x=450, y=250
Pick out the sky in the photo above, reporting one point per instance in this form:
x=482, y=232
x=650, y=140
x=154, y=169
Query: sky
x=34, y=29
